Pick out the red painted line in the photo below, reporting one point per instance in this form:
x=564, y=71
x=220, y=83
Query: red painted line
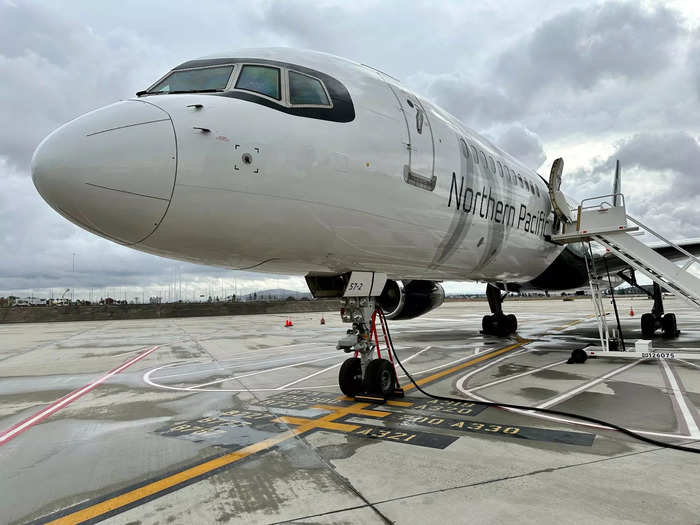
x=20, y=427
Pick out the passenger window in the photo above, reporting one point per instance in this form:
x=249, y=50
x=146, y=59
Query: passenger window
x=260, y=79
x=476, y=155
x=537, y=190
x=492, y=165
x=521, y=180
x=483, y=158
x=500, y=169
x=306, y=90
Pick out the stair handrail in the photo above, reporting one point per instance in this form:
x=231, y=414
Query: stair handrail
x=693, y=258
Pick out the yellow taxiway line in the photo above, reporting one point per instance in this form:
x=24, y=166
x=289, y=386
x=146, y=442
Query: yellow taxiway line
x=456, y=368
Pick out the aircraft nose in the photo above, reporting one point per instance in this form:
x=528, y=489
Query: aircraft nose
x=110, y=171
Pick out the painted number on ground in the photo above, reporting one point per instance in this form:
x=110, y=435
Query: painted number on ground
x=421, y=439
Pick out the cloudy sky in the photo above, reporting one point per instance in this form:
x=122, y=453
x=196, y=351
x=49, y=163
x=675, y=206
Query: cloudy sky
x=589, y=81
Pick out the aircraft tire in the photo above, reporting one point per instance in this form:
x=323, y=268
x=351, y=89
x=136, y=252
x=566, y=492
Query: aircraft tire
x=648, y=327
x=380, y=377
x=669, y=326
x=578, y=356
x=512, y=323
x=486, y=324
x=350, y=376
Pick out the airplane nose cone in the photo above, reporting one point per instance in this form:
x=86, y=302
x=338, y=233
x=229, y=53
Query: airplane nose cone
x=110, y=171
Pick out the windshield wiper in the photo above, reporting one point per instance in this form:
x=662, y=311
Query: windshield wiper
x=145, y=92
x=196, y=91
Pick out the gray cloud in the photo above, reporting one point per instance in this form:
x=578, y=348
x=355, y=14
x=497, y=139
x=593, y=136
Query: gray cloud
x=55, y=70
x=478, y=105
x=659, y=180
x=584, y=46
x=694, y=61
x=611, y=67
x=523, y=144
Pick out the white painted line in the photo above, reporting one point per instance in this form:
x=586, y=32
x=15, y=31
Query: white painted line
x=14, y=430
x=571, y=393
x=688, y=363
x=267, y=361
x=576, y=422
x=309, y=376
x=470, y=356
x=416, y=354
x=258, y=372
x=439, y=366
x=516, y=376
x=693, y=429
x=489, y=364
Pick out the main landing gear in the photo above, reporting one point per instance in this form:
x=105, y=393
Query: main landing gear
x=365, y=376
x=498, y=323
x=656, y=319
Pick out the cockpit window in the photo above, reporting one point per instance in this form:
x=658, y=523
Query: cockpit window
x=260, y=79
x=306, y=90
x=194, y=80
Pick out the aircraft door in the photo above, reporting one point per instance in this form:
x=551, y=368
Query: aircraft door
x=420, y=170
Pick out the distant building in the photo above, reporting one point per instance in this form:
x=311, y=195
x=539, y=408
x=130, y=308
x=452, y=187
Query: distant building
x=31, y=301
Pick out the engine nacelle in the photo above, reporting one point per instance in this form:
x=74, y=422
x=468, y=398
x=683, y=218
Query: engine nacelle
x=409, y=299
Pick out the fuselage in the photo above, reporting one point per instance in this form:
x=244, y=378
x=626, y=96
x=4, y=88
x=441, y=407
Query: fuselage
x=377, y=179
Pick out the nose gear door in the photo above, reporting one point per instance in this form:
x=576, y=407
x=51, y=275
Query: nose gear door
x=420, y=170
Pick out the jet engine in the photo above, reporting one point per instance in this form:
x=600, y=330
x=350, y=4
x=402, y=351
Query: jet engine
x=409, y=299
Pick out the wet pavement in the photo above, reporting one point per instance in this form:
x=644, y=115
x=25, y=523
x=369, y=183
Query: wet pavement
x=239, y=419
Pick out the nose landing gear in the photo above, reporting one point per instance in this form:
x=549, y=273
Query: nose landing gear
x=498, y=324
x=364, y=376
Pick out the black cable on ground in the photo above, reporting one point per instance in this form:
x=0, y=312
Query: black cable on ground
x=588, y=419
x=614, y=302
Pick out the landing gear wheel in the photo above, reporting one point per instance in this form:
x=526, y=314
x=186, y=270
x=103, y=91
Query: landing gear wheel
x=380, y=378
x=350, y=376
x=578, y=356
x=499, y=325
x=648, y=326
x=512, y=323
x=669, y=326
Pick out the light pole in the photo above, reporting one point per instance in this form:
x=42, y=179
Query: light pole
x=72, y=293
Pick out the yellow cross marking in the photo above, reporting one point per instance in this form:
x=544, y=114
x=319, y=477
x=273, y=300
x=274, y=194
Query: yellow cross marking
x=327, y=421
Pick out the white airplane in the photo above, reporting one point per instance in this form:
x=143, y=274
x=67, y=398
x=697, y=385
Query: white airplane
x=298, y=162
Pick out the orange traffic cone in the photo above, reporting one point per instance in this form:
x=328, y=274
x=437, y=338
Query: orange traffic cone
x=631, y=311
x=288, y=323
x=323, y=320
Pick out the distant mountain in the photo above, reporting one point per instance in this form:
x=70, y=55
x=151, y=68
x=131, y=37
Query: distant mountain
x=276, y=294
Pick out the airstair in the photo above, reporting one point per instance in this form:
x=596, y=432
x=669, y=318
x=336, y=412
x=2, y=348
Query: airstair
x=604, y=220
x=599, y=220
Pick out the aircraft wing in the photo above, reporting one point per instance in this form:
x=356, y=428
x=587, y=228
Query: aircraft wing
x=615, y=264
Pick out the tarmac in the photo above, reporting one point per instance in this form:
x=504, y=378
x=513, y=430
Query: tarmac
x=239, y=419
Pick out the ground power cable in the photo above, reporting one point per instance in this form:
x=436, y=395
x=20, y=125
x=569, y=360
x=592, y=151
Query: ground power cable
x=611, y=426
